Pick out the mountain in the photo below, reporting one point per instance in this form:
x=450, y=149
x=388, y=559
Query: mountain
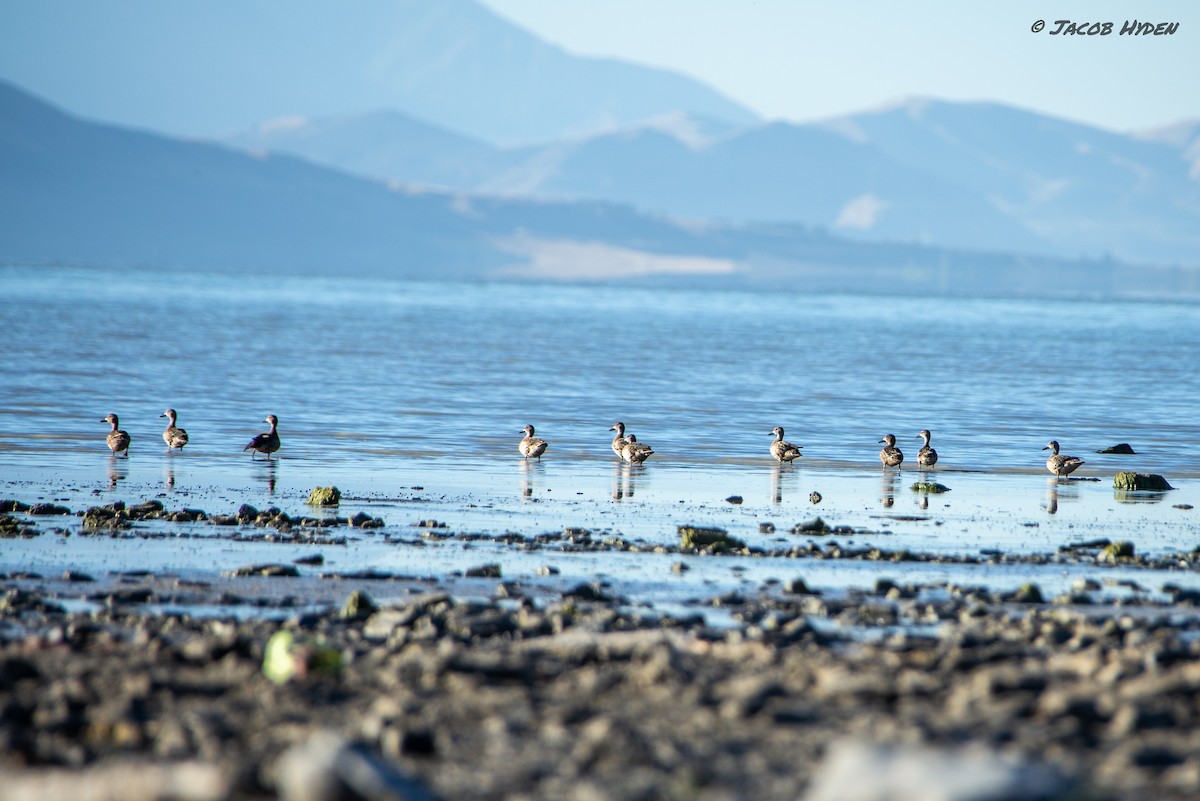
x=1082, y=190
x=973, y=175
x=1184, y=136
x=387, y=145
x=210, y=68
x=92, y=194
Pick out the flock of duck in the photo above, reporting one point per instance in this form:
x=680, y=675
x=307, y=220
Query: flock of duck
x=175, y=437
x=625, y=445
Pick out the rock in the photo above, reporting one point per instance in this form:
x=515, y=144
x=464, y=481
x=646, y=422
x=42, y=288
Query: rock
x=1122, y=448
x=1122, y=549
x=766, y=528
x=272, y=571
x=48, y=509
x=11, y=527
x=814, y=526
x=588, y=592
x=734, y=499
x=856, y=771
x=484, y=571
x=714, y=540
x=929, y=487
x=312, y=559
x=127, y=779
x=247, y=513
x=1127, y=481
x=814, y=498
x=359, y=606
x=13, y=506
x=797, y=586
x=145, y=510
x=364, y=520
x=1029, y=593
x=324, y=496
x=327, y=768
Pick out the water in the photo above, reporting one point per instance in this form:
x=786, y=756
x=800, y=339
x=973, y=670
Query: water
x=372, y=372
x=411, y=398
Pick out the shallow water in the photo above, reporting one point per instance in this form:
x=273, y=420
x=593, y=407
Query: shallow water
x=381, y=387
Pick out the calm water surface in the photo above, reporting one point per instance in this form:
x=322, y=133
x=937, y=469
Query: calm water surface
x=411, y=397
x=368, y=372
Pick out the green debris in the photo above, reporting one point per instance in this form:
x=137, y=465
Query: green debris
x=929, y=487
x=1127, y=481
x=324, y=496
x=287, y=657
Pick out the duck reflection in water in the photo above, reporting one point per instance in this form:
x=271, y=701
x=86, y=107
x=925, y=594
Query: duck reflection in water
x=624, y=483
x=1056, y=491
x=169, y=477
x=118, y=471
x=779, y=471
x=528, y=470
x=888, y=483
x=265, y=471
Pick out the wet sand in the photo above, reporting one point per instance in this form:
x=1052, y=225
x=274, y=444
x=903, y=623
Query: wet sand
x=542, y=633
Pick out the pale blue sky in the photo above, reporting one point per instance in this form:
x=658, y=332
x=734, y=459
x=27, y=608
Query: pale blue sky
x=797, y=60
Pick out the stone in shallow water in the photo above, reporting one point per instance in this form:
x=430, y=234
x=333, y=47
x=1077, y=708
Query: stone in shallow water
x=324, y=496
x=1123, y=448
x=1128, y=481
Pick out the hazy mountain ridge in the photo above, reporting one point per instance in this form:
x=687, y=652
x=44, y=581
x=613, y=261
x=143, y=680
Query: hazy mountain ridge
x=970, y=175
x=452, y=62
x=81, y=192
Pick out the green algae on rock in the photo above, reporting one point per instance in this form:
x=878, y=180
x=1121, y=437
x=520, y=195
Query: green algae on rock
x=324, y=496
x=1128, y=481
x=713, y=540
x=929, y=487
x=1122, y=549
x=359, y=606
x=1028, y=594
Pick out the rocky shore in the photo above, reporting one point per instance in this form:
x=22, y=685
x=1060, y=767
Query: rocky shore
x=586, y=698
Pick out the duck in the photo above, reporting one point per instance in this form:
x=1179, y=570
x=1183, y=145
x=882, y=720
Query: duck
x=266, y=443
x=783, y=451
x=635, y=452
x=927, y=456
x=618, y=443
x=891, y=456
x=530, y=446
x=117, y=439
x=174, y=436
x=1058, y=464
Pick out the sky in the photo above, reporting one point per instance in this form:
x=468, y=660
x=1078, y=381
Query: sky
x=800, y=61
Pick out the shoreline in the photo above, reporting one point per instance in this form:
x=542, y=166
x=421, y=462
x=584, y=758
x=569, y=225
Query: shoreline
x=557, y=644
x=509, y=696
